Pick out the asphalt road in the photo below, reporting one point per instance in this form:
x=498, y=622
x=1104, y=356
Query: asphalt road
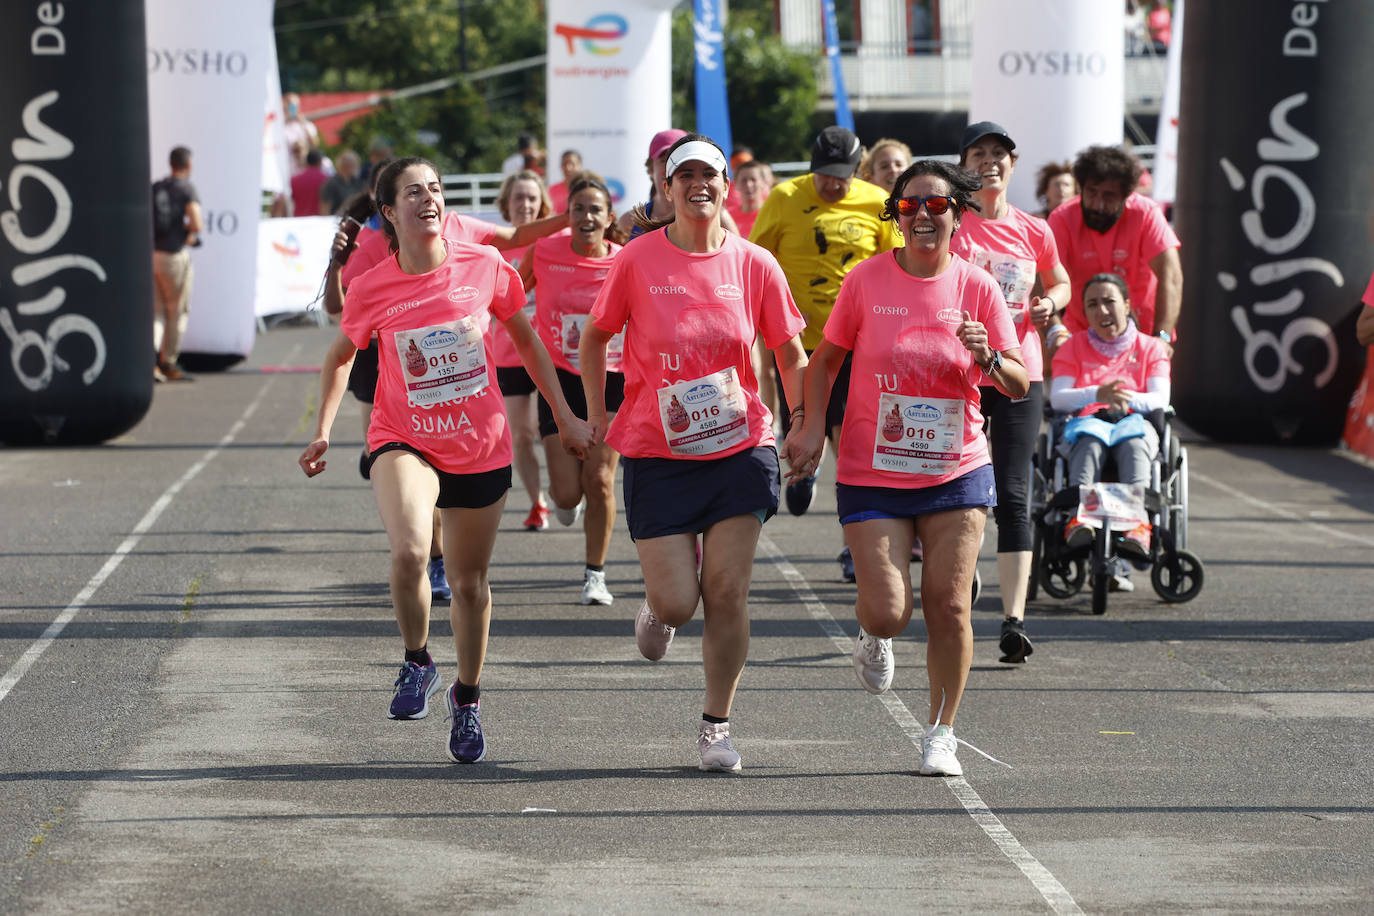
x=197, y=651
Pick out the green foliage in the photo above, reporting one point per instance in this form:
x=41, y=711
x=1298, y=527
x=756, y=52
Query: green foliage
x=772, y=88
x=365, y=45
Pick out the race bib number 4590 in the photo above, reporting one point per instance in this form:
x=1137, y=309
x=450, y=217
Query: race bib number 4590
x=918, y=435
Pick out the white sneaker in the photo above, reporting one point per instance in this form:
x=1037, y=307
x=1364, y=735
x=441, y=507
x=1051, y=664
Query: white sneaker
x=652, y=635
x=718, y=754
x=594, y=588
x=873, y=662
x=1120, y=580
x=568, y=517
x=937, y=753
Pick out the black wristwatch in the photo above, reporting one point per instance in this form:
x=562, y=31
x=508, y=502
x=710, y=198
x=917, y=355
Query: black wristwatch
x=994, y=364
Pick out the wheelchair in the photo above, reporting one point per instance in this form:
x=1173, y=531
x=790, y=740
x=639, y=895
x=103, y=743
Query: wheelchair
x=1062, y=570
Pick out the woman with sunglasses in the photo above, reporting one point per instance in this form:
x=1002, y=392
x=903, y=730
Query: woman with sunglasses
x=1016, y=249
x=566, y=272
x=697, y=440
x=927, y=329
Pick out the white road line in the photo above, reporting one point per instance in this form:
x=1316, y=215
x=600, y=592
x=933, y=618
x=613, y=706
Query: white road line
x=1278, y=510
x=49, y=636
x=1055, y=894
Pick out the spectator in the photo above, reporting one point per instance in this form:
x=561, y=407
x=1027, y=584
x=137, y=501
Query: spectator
x=1161, y=26
x=346, y=182
x=527, y=151
x=296, y=129
x=820, y=226
x=570, y=163
x=307, y=184
x=177, y=223
x=379, y=151
x=1109, y=227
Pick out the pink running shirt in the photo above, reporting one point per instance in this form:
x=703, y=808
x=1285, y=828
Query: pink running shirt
x=1127, y=248
x=566, y=287
x=507, y=357
x=436, y=384
x=690, y=320
x=1079, y=360
x=910, y=367
x=1015, y=250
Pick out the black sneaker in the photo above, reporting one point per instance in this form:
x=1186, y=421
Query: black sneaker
x=1015, y=645
x=800, y=494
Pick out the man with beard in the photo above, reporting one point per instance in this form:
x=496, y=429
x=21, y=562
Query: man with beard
x=1110, y=228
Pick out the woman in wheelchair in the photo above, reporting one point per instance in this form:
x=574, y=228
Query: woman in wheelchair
x=1110, y=379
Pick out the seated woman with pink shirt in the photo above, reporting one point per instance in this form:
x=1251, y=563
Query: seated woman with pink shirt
x=1110, y=378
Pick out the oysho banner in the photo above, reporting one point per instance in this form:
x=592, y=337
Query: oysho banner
x=207, y=73
x=1051, y=72
x=609, y=76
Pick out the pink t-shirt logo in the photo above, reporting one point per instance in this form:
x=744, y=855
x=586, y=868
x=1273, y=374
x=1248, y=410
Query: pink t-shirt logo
x=462, y=294
x=953, y=316
x=730, y=292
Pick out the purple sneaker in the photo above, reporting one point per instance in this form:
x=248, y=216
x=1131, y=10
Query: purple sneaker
x=465, y=741
x=415, y=685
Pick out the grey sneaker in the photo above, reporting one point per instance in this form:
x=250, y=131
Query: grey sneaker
x=594, y=588
x=873, y=662
x=718, y=754
x=653, y=636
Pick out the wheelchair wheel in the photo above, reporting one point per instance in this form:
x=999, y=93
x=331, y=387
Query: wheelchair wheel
x=1179, y=517
x=1178, y=577
x=1102, y=569
x=1063, y=577
x=1100, y=582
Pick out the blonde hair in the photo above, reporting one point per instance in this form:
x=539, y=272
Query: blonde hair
x=866, y=164
x=508, y=188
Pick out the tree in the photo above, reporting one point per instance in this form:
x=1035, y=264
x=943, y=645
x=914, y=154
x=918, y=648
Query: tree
x=772, y=88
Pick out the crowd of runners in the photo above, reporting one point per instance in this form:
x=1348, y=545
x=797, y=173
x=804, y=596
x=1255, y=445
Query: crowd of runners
x=714, y=342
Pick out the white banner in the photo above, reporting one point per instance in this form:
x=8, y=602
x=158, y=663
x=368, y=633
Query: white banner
x=609, y=78
x=293, y=255
x=207, y=73
x=1166, y=138
x=1051, y=73
x=276, y=158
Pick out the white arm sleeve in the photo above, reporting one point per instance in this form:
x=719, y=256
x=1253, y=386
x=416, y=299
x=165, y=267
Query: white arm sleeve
x=1156, y=398
x=1066, y=398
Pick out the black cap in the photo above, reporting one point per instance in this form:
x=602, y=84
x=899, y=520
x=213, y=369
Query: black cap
x=975, y=132
x=836, y=153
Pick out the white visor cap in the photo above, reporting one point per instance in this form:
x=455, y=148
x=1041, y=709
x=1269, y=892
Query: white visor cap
x=699, y=150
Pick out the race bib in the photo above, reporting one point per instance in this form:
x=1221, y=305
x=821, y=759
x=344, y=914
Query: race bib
x=570, y=339
x=1016, y=277
x=704, y=416
x=442, y=362
x=918, y=435
x=1120, y=504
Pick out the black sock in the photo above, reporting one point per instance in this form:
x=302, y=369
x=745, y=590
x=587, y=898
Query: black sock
x=714, y=720
x=595, y=567
x=419, y=656
x=464, y=695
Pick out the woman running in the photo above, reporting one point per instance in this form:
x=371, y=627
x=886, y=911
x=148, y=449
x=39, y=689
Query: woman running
x=1017, y=249
x=522, y=199
x=697, y=441
x=566, y=274
x=438, y=434
x=926, y=329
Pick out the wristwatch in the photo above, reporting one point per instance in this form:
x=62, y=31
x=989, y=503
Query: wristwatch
x=994, y=364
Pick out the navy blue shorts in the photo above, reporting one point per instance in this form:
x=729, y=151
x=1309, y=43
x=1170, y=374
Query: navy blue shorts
x=576, y=396
x=975, y=490
x=456, y=491
x=666, y=496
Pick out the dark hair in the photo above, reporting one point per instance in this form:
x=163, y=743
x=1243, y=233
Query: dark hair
x=569, y=152
x=314, y=157
x=376, y=173
x=1107, y=163
x=524, y=141
x=641, y=218
x=962, y=183
x=508, y=188
x=751, y=164
x=180, y=157
x=386, y=190
x=587, y=179
x=1105, y=277
x=1049, y=172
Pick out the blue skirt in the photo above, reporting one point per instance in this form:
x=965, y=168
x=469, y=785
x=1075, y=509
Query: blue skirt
x=666, y=496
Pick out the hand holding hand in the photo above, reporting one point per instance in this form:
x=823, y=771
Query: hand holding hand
x=1041, y=310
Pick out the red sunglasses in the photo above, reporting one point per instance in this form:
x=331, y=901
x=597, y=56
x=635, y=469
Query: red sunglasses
x=935, y=204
